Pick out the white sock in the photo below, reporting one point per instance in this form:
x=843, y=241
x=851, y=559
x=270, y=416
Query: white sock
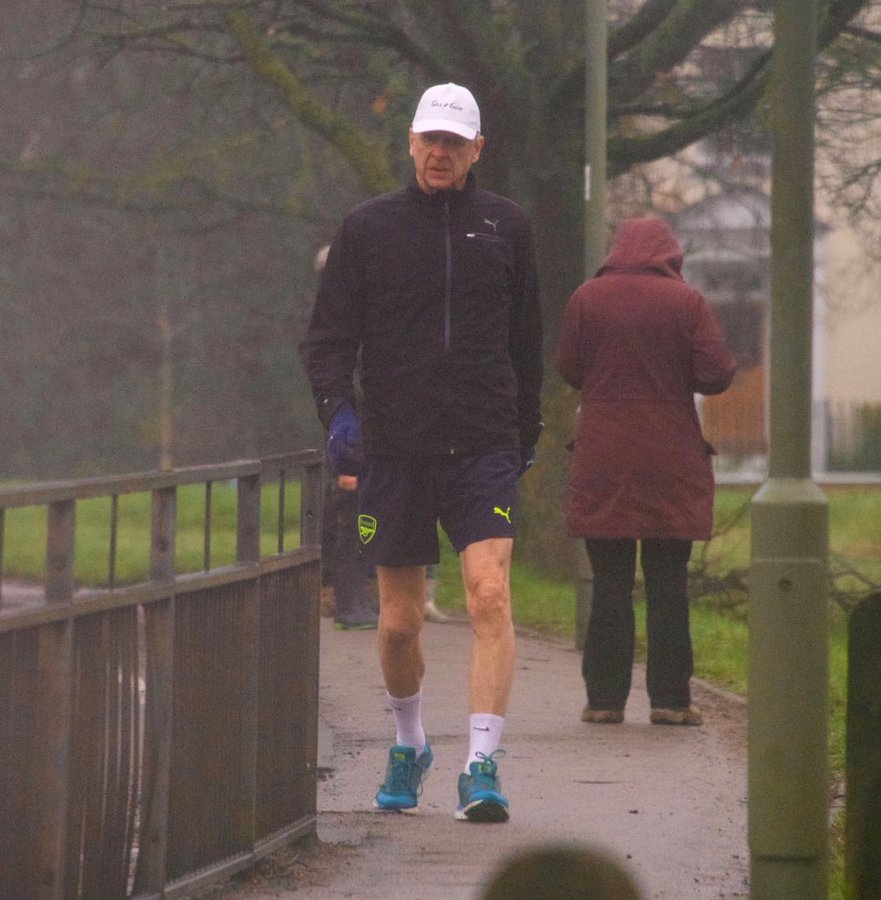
x=484, y=736
x=408, y=721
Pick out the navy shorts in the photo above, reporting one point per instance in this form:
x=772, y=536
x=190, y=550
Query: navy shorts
x=401, y=501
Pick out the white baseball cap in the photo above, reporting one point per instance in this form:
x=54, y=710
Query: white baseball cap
x=448, y=107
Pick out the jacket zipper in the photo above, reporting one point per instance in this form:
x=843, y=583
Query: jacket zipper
x=448, y=286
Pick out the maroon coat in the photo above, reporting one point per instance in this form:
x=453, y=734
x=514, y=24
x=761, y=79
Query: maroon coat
x=638, y=342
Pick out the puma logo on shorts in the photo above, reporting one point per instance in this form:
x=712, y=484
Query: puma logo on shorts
x=504, y=513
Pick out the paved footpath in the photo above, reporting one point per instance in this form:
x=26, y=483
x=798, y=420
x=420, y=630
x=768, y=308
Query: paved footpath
x=669, y=801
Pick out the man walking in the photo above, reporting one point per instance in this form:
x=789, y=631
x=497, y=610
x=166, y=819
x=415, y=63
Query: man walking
x=433, y=288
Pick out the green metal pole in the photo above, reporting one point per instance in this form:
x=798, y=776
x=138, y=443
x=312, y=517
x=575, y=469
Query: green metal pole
x=595, y=103
x=788, y=655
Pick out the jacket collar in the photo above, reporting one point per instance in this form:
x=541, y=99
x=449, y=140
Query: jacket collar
x=456, y=199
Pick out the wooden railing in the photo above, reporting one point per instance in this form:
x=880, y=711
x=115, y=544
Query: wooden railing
x=159, y=735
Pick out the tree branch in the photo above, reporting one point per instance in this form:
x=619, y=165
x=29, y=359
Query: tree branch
x=628, y=151
x=668, y=44
x=863, y=34
x=60, y=41
x=742, y=99
x=369, y=162
x=834, y=19
x=638, y=26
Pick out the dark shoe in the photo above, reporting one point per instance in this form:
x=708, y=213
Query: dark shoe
x=360, y=620
x=602, y=716
x=677, y=715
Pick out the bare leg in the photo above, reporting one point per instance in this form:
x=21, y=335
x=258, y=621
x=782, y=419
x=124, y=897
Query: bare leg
x=401, y=600
x=486, y=571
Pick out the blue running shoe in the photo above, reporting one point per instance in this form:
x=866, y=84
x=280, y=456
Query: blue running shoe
x=403, y=778
x=480, y=792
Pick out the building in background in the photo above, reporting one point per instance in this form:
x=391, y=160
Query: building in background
x=726, y=239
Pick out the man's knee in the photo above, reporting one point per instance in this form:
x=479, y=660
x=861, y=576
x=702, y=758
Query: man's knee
x=489, y=602
x=399, y=632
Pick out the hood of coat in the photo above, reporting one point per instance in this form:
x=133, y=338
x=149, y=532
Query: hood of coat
x=644, y=245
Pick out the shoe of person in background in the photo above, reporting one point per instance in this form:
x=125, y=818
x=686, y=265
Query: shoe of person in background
x=602, y=716
x=404, y=775
x=432, y=613
x=677, y=715
x=362, y=618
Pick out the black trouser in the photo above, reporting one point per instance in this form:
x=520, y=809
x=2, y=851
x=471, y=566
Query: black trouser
x=343, y=564
x=607, y=661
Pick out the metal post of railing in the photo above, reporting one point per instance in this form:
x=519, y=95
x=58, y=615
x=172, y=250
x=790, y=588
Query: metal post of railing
x=206, y=537
x=114, y=540
x=248, y=551
x=248, y=533
x=163, y=534
x=282, y=486
x=53, y=707
x=59, y=551
x=158, y=710
x=310, y=504
x=2, y=546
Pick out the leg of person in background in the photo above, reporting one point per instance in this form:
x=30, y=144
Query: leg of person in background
x=670, y=658
x=327, y=603
x=349, y=570
x=432, y=613
x=607, y=660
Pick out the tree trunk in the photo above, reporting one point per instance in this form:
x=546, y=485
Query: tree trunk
x=560, y=250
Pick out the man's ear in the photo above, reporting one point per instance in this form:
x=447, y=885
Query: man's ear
x=478, y=147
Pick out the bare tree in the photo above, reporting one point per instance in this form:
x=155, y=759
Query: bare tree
x=347, y=73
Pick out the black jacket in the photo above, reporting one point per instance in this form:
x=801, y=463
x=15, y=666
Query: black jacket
x=438, y=293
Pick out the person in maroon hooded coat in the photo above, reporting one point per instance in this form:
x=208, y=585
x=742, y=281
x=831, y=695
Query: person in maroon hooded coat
x=638, y=343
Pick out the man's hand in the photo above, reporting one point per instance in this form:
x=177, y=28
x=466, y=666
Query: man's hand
x=527, y=458
x=344, y=442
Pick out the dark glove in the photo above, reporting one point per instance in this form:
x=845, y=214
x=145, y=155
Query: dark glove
x=527, y=458
x=344, y=442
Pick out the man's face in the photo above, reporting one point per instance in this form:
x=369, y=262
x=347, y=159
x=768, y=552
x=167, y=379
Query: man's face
x=443, y=159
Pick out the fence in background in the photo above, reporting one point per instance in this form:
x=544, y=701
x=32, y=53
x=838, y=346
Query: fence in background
x=158, y=736
x=853, y=437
